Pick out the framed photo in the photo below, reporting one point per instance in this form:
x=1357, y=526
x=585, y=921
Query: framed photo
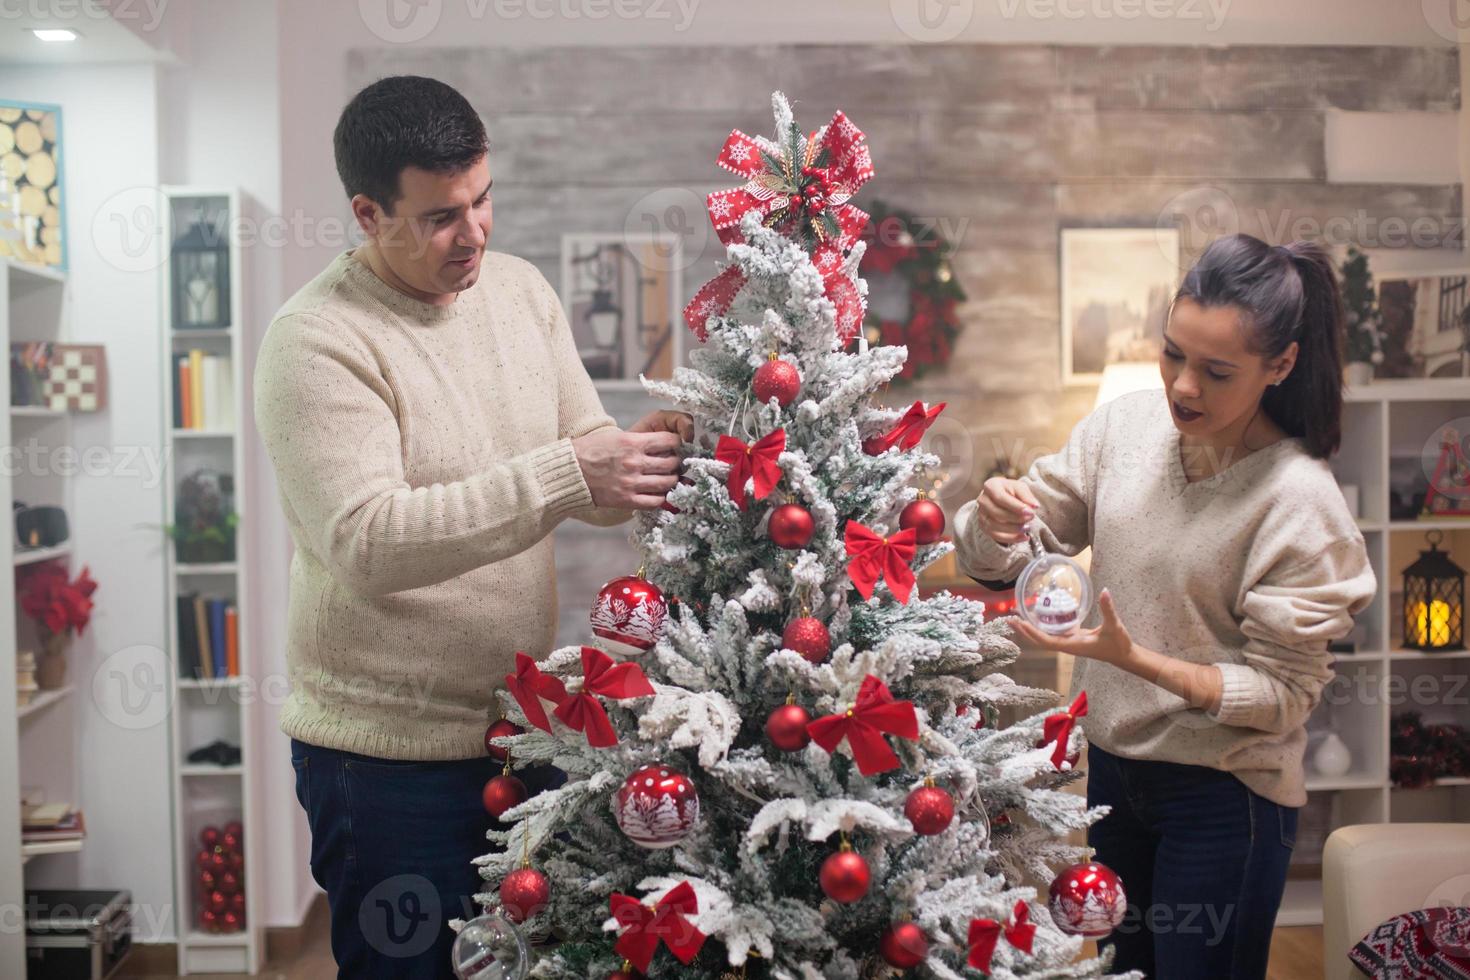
x=1425, y=323
x=621, y=295
x=1116, y=286
x=32, y=205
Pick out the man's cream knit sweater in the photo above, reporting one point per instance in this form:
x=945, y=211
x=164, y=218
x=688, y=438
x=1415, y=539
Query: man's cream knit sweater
x=423, y=456
x=1254, y=569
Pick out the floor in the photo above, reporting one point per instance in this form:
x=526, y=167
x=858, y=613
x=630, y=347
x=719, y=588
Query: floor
x=1296, y=954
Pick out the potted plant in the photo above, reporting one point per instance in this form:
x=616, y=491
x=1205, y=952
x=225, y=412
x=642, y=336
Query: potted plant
x=1364, y=320
x=59, y=607
x=206, y=520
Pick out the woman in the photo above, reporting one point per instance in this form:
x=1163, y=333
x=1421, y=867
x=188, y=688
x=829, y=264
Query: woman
x=1220, y=536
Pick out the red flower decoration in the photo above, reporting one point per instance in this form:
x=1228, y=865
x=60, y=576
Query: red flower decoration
x=55, y=603
x=873, y=557
x=601, y=675
x=758, y=462
x=665, y=922
x=528, y=685
x=864, y=724
x=985, y=933
x=1058, y=728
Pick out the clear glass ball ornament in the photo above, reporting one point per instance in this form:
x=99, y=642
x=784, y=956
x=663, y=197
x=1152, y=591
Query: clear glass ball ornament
x=490, y=948
x=1053, y=592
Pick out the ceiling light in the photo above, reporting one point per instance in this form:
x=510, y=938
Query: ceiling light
x=54, y=34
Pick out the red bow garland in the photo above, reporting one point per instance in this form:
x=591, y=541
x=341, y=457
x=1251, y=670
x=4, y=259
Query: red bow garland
x=863, y=726
x=601, y=675
x=1058, y=728
x=664, y=922
x=873, y=556
x=907, y=432
x=985, y=933
x=528, y=685
x=779, y=187
x=759, y=462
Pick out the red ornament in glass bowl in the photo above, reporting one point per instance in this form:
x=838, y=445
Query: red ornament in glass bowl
x=656, y=807
x=1087, y=900
x=628, y=615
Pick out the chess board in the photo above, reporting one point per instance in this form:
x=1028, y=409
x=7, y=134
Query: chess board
x=77, y=378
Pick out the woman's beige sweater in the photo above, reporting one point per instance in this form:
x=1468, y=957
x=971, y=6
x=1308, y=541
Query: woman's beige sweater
x=1254, y=569
x=423, y=456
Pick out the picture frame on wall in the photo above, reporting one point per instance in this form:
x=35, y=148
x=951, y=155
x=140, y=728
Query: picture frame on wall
x=621, y=294
x=32, y=196
x=1425, y=323
x=1116, y=286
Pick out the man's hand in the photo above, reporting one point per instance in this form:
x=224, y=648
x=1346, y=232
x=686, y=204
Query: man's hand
x=663, y=421
x=630, y=470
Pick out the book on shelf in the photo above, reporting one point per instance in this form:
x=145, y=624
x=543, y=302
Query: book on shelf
x=204, y=395
x=47, y=827
x=209, y=637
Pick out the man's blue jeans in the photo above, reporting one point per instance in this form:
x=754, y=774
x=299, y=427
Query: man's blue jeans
x=1203, y=861
x=392, y=843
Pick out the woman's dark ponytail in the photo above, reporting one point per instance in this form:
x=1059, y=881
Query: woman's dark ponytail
x=1289, y=293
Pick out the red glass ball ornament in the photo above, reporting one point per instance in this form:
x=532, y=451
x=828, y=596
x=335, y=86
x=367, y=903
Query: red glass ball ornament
x=209, y=837
x=809, y=637
x=230, y=922
x=786, y=728
x=217, y=902
x=656, y=807
x=925, y=518
x=229, y=882
x=502, y=793
x=903, y=945
x=209, y=921
x=628, y=615
x=208, y=880
x=930, y=809
x=234, y=861
x=776, y=379
x=496, y=730
x=231, y=842
x=791, y=526
x=845, y=877
x=237, y=828
x=1087, y=900
x=237, y=904
x=625, y=975
x=524, y=893
x=219, y=862
x=205, y=859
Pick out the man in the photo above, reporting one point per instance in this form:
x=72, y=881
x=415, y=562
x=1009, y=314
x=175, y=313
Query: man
x=430, y=423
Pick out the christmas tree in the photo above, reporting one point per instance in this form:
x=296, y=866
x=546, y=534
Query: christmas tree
x=792, y=768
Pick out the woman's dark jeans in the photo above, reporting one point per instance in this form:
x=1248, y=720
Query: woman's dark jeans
x=392, y=843
x=1203, y=861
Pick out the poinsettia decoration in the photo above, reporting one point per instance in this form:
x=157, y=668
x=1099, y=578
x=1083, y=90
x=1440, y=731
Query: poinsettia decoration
x=55, y=603
x=900, y=244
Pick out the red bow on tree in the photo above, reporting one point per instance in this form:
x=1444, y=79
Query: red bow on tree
x=601, y=675
x=806, y=185
x=873, y=557
x=528, y=685
x=985, y=933
x=907, y=432
x=863, y=726
x=665, y=923
x=759, y=462
x=1058, y=728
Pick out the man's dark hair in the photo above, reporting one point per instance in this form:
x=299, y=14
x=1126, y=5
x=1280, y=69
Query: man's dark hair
x=404, y=121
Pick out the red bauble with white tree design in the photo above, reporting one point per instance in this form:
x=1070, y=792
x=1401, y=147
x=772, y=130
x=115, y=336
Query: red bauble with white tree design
x=903, y=945
x=809, y=637
x=776, y=379
x=656, y=807
x=791, y=526
x=845, y=876
x=925, y=518
x=496, y=730
x=524, y=893
x=502, y=793
x=629, y=614
x=786, y=728
x=930, y=809
x=1087, y=900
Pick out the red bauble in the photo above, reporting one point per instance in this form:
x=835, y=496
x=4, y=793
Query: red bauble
x=230, y=922
x=237, y=904
x=502, y=793
x=786, y=728
x=791, y=526
x=234, y=861
x=209, y=921
x=808, y=636
x=237, y=828
x=903, y=945
x=925, y=517
x=229, y=883
x=656, y=807
x=205, y=859
x=845, y=877
x=1087, y=900
x=209, y=837
x=629, y=615
x=930, y=809
x=777, y=379
x=208, y=881
x=218, y=862
x=524, y=893
x=217, y=902
x=231, y=842
x=496, y=730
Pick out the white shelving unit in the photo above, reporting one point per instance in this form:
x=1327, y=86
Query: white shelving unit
x=37, y=741
x=1386, y=426
x=210, y=709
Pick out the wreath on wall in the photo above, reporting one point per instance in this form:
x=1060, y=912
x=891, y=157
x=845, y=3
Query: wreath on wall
x=912, y=289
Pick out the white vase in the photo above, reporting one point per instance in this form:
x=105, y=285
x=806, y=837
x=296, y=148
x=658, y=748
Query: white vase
x=1358, y=373
x=1332, y=757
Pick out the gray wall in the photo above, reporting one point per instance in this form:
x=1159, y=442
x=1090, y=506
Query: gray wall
x=1004, y=144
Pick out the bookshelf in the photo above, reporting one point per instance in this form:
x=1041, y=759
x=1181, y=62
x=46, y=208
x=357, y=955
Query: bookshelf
x=1386, y=425
x=203, y=329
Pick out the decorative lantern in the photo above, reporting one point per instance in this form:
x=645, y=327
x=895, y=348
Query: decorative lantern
x=201, y=276
x=1434, y=600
